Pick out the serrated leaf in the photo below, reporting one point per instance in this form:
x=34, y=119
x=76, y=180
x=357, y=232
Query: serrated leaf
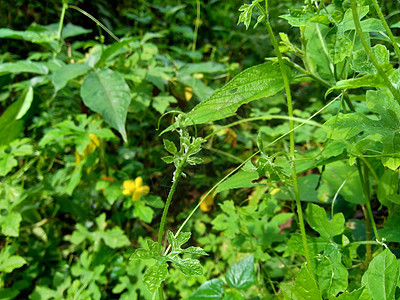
x=115, y=238
x=209, y=290
x=155, y=275
x=354, y=295
x=106, y=92
x=66, y=73
x=382, y=276
x=253, y=83
x=318, y=220
x=362, y=64
x=170, y=147
x=246, y=12
x=297, y=17
x=241, y=275
x=387, y=126
x=153, y=252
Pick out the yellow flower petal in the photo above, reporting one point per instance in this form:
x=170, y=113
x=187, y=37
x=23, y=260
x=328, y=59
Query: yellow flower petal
x=208, y=202
x=138, y=182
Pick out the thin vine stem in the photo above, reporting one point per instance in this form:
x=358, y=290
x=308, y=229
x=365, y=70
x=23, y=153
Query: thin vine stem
x=96, y=21
x=371, y=56
x=265, y=13
x=61, y=24
x=387, y=28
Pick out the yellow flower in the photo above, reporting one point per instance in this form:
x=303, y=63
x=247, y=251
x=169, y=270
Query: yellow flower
x=94, y=143
x=135, y=188
x=208, y=202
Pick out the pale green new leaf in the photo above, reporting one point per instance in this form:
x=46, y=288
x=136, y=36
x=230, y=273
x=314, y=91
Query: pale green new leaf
x=246, y=12
x=317, y=219
x=106, y=92
x=382, y=276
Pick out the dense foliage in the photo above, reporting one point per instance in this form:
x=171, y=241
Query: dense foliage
x=199, y=150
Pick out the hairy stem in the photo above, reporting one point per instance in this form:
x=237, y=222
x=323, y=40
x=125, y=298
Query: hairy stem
x=371, y=56
x=291, y=136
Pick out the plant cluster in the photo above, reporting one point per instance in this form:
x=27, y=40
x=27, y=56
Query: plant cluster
x=277, y=182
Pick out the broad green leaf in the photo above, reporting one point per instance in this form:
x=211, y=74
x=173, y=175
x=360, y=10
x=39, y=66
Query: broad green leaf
x=114, y=49
x=315, y=245
x=241, y=179
x=188, y=266
x=317, y=219
x=106, y=92
x=330, y=273
x=23, y=66
x=11, y=263
x=209, y=290
x=304, y=288
x=355, y=83
x=241, y=275
x=254, y=83
x=154, y=251
x=71, y=30
x=194, y=250
x=358, y=125
x=66, y=73
x=382, y=276
x=339, y=47
x=143, y=212
x=388, y=188
x=203, y=67
x=348, y=21
x=155, y=275
x=7, y=163
x=162, y=102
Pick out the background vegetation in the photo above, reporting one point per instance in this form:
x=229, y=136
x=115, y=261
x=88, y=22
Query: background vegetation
x=272, y=128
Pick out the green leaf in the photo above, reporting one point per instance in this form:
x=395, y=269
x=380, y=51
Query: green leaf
x=28, y=98
x=7, y=163
x=253, y=83
x=229, y=223
x=23, y=66
x=242, y=179
x=188, y=266
x=305, y=287
x=385, y=129
x=155, y=275
x=11, y=263
x=330, y=273
x=297, y=17
x=66, y=73
x=233, y=295
x=209, y=290
x=10, y=224
x=194, y=250
x=113, y=49
x=115, y=238
x=388, y=188
x=162, y=102
x=382, y=276
x=339, y=47
x=362, y=64
x=106, y=92
x=246, y=12
x=317, y=219
x=203, y=67
x=143, y=212
x=354, y=295
x=241, y=275
x=153, y=252
x=170, y=147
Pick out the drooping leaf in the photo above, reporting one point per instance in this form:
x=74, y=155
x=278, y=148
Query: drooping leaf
x=106, y=92
x=241, y=275
x=385, y=130
x=23, y=66
x=382, y=276
x=317, y=219
x=209, y=290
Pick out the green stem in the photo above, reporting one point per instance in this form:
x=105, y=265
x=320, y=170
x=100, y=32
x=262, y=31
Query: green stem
x=96, y=21
x=196, y=26
x=386, y=26
x=368, y=201
x=371, y=56
x=291, y=137
x=175, y=180
x=60, y=26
